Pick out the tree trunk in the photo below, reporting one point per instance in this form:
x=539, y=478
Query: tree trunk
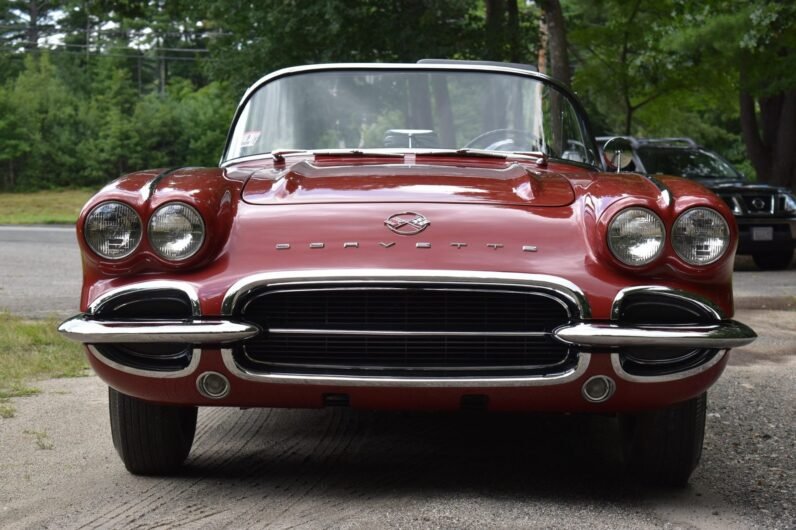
x=32, y=31
x=442, y=100
x=784, y=163
x=751, y=137
x=770, y=136
x=10, y=178
x=629, y=120
x=557, y=40
x=419, y=104
x=495, y=12
x=513, y=32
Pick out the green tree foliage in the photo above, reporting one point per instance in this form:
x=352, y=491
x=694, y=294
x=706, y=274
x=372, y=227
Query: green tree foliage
x=51, y=136
x=128, y=86
x=621, y=67
x=12, y=130
x=93, y=89
x=754, y=45
x=720, y=71
x=49, y=113
x=257, y=37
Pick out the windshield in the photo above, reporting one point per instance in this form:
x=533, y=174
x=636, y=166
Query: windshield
x=691, y=163
x=410, y=109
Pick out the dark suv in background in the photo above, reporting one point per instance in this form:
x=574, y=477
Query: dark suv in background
x=766, y=214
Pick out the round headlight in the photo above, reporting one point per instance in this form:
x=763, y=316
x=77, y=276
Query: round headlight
x=176, y=231
x=112, y=230
x=700, y=236
x=636, y=236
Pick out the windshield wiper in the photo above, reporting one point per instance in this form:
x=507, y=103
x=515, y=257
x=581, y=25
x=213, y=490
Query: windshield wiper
x=485, y=153
x=279, y=154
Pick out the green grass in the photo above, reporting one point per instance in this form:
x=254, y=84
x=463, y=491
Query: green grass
x=30, y=350
x=42, y=207
x=42, y=439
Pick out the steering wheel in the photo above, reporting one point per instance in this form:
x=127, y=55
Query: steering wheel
x=505, y=140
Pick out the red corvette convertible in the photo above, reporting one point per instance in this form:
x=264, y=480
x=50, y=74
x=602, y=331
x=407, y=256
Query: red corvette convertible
x=437, y=236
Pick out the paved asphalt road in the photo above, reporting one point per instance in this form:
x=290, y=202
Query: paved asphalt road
x=39, y=271
x=338, y=468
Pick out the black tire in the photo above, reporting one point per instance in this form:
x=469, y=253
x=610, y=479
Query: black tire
x=663, y=447
x=773, y=261
x=151, y=439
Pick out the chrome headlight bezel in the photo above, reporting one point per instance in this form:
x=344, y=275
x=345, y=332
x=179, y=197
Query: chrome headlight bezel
x=656, y=224
x=198, y=236
x=677, y=228
x=135, y=233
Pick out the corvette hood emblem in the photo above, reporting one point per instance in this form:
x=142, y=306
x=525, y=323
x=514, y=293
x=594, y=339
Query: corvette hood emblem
x=407, y=223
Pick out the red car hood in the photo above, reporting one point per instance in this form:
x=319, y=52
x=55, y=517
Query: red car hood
x=314, y=183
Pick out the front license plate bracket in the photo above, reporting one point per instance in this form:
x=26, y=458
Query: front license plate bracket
x=762, y=233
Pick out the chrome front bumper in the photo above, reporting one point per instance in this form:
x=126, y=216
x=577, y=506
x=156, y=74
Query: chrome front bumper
x=719, y=335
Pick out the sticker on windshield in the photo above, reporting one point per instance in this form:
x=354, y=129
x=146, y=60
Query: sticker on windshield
x=250, y=138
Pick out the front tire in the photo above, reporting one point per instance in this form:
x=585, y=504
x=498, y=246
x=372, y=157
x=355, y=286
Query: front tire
x=151, y=439
x=664, y=446
x=773, y=261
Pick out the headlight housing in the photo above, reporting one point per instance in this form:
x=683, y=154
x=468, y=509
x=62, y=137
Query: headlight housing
x=700, y=236
x=176, y=231
x=636, y=236
x=112, y=230
x=790, y=203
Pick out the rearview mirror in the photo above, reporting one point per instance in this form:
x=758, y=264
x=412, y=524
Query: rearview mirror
x=618, y=153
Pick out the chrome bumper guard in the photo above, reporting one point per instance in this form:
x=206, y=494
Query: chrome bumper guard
x=83, y=328
x=720, y=335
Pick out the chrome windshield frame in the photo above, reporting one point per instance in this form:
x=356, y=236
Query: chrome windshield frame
x=582, y=117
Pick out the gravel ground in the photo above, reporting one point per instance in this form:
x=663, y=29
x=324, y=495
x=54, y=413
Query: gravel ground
x=352, y=469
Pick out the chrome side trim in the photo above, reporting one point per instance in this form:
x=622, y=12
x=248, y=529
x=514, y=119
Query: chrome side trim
x=140, y=287
x=705, y=304
x=616, y=363
x=390, y=333
x=375, y=369
x=83, y=329
x=725, y=334
x=665, y=193
x=188, y=370
x=149, y=190
x=456, y=278
x=407, y=382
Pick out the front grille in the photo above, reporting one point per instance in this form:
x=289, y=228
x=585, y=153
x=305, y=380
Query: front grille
x=758, y=203
x=402, y=331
